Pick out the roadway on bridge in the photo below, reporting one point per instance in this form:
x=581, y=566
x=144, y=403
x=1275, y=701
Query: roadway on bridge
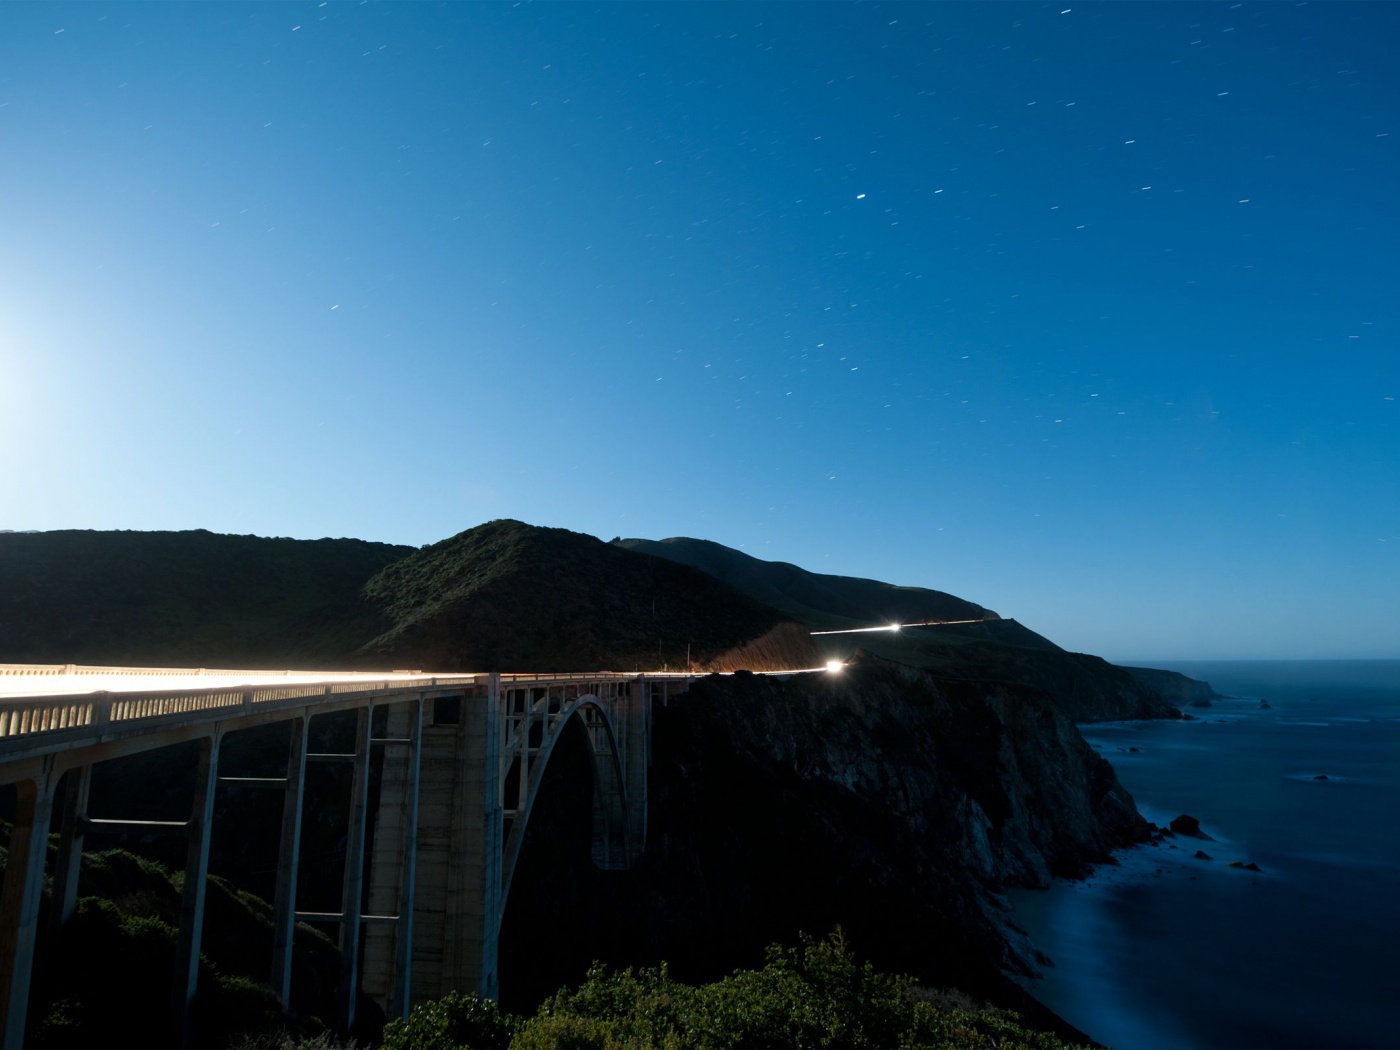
x=18, y=681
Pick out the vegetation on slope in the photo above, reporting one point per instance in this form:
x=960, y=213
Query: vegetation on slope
x=104, y=980
x=815, y=995
x=506, y=596
x=183, y=598
x=993, y=650
x=1087, y=688
x=814, y=599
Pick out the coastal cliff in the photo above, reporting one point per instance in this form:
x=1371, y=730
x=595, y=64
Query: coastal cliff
x=882, y=799
x=1175, y=687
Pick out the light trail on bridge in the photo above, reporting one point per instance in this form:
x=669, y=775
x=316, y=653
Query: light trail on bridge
x=23, y=681
x=20, y=681
x=890, y=628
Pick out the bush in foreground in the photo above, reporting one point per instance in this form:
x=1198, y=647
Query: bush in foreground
x=814, y=995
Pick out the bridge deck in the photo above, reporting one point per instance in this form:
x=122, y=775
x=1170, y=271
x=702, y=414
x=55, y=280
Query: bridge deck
x=18, y=681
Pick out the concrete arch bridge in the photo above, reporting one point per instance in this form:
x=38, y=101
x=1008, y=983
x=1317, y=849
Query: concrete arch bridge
x=463, y=757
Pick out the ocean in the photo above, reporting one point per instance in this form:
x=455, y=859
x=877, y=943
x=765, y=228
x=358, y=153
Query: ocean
x=1167, y=950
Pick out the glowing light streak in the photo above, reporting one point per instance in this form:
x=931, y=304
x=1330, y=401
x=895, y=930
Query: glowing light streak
x=894, y=627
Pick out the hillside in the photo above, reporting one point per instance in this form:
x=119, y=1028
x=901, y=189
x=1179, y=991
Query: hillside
x=994, y=650
x=184, y=598
x=506, y=596
x=811, y=598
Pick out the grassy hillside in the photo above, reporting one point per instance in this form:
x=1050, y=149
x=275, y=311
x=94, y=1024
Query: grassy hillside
x=502, y=596
x=184, y=598
x=994, y=650
x=811, y=598
x=507, y=596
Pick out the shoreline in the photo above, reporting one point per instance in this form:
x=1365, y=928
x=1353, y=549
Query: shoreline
x=1162, y=949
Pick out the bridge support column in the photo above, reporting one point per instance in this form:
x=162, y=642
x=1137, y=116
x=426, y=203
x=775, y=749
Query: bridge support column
x=351, y=904
x=474, y=901
x=70, y=847
x=393, y=863
x=457, y=905
x=284, y=907
x=634, y=726
x=193, y=892
x=19, y=901
x=610, y=830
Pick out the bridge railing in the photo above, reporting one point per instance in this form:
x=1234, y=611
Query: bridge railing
x=54, y=670
x=28, y=724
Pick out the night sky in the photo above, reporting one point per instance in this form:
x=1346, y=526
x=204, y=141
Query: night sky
x=1086, y=312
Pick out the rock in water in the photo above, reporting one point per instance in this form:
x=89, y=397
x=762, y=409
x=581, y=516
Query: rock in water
x=1187, y=825
x=1201, y=854
x=1321, y=776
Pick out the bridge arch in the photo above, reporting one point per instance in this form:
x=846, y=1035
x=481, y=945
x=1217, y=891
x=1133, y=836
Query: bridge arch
x=529, y=746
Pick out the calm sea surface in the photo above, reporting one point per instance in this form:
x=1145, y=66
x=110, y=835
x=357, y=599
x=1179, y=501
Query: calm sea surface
x=1166, y=950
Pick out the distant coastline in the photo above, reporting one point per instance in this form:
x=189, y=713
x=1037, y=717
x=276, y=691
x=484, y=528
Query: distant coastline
x=1170, y=949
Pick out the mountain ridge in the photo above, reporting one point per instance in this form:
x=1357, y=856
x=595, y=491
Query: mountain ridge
x=846, y=601
x=507, y=596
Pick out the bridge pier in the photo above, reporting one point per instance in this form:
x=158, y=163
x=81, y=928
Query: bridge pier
x=352, y=887
x=436, y=865
x=20, y=896
x=284, y=905
x=470, y=899
x=70, y=847
x=388, y=954
x=193, y=892
x=634, y=726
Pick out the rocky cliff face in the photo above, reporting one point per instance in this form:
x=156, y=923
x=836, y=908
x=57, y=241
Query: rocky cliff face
x=1175, y=687
x=1086, y=688
x=882, y=799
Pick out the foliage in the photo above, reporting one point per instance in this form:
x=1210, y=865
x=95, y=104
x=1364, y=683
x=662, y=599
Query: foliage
x=450, y=1022
x=814, y=995
x=283, y=1039
x=183, y=598
x=472, y=601
x=103, y=980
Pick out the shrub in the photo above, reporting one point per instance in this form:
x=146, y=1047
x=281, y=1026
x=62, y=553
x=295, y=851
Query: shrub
x=814, y=995
x=454, y=1022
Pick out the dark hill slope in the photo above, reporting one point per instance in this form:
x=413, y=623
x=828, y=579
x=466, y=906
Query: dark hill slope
x=811, y=598
x=506, y=596
x=1086, y=688
x=994, y=650
x=184, y=598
